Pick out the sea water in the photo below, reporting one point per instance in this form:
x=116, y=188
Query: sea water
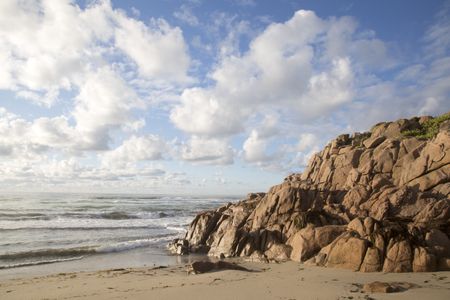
x=38, y=229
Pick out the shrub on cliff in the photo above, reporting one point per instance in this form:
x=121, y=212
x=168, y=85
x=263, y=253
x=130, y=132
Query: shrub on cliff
x=429, y=129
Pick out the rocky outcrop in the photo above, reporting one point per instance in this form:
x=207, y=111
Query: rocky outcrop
x=375, y=201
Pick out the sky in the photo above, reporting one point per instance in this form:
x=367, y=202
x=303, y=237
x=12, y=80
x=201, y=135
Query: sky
x=204, y=97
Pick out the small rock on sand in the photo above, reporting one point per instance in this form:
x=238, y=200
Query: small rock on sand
x=386, y=287
x=207, y=266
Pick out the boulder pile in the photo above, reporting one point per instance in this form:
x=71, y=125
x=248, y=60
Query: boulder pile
x=374, y=201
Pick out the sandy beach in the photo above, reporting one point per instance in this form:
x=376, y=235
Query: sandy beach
x=288, y=280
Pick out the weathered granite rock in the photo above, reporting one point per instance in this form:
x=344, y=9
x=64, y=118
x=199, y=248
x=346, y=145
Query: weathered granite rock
x=369, y=202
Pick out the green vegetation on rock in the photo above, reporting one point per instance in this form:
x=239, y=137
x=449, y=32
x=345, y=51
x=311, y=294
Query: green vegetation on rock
x=429, y=129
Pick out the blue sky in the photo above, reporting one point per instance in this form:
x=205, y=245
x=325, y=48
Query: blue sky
x=204, y=97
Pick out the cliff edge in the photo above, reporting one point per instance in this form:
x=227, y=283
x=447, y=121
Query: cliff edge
x=374, y=201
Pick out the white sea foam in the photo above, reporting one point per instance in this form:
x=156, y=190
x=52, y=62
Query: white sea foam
x=40, y=262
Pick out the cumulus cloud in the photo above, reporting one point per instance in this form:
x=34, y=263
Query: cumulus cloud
x=135, y=149
x=35, y=34
x=158, y=50
x=294, y=72
x=97, y=59
x=204, y=113
x=103, y=103
x=47, y=47
x=55, y=172
x=255, y=148
x=207, y=151
x=312, y=72
x=276, y=154
x=22, y=139
x=281, y=71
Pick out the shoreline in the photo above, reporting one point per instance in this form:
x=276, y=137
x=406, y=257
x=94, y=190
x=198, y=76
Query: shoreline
x=135, y=258
x=289, y=280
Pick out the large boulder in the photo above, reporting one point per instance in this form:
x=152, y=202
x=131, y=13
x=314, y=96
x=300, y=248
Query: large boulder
x=308, y=241
x=399, y=257
x=373, y=260
x=347, y=252
x=423, y=260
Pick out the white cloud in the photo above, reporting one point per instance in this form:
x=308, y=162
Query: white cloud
x=343, y=39
x=277, y=154
x=281, y=72
x=235, y=30
x=255, y=149
x=185, y=14
x=52, y=172
x=307, y=141
x=268, y=127
x=202, y=112
x=136, y=149
x=103, y=104
x=226, y=32
x=309, y=72
x=34, y=34
x=328, y=90
x=159, y=51
x=430, y=106
x=21, y=139
x=47, y=46
x=410, y=73
x=307, y=146
x=437, y=37
x=102, y=60
x=207, y=151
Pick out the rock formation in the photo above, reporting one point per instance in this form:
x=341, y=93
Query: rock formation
x=375, y=201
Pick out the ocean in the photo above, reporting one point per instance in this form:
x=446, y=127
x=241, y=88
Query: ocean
x=39, y=229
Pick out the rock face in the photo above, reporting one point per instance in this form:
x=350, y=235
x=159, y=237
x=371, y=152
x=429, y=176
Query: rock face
x=375, y=201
